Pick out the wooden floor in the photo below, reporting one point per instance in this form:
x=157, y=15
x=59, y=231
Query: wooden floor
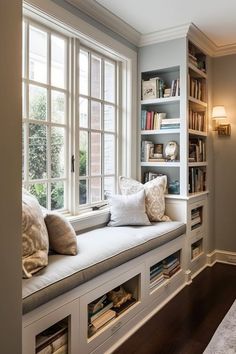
x=186, y=324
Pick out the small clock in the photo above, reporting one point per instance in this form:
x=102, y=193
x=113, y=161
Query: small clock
x=171, y=150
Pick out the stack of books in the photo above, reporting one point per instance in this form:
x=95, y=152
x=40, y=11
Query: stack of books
x=196, y=219
x=153, y=88
x=170, y=123
x=196, y=249
x=192, y=59
x=196, y=120
x=99, y=313
x=150, y=120
x=196, y=88
x=197, y=179
x=53, y=340
x=156, y=275
x=171, y=265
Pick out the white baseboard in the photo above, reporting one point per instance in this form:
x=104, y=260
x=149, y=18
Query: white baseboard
x=221, y=257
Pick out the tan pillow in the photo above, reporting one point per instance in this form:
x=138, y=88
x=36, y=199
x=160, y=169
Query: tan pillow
x=155, y=195
x=62, y=237
x=34, y=237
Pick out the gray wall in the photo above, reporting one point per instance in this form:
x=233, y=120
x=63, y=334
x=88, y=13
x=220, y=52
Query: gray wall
x=10, y=177
x=224, y=93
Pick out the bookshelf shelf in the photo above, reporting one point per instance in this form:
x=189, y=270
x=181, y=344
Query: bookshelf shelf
x=161, y=164
x=160, y=131
x=197, y=102
x=157, y=101
x=197, y=164
x=197, y=132
x=195, y=72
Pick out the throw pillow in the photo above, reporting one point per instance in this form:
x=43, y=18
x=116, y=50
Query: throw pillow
x=62, y=237
x=34, y=237
x=155, y=195
x=128, y=210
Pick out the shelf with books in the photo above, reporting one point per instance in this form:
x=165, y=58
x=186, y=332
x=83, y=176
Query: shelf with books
x=197, y=132
x=196, y=249
x=160, y=131
x=195, y=72
x=161, y=164
x=54, y=339
x=157, y=101
x=197, y=179
x=107, y=309
x=197, y=101
x=197, y=164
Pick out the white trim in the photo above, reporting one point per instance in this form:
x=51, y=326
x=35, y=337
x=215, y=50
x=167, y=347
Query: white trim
x=164, y=35
x=110, y=20
x=221, y=256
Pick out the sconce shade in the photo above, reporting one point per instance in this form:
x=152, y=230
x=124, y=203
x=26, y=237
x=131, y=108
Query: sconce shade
x=218, y=112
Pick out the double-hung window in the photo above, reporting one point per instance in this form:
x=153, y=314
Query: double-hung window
x=70, y=120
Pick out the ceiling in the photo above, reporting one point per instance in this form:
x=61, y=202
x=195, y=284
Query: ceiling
x=146, y=20
x=217, y=19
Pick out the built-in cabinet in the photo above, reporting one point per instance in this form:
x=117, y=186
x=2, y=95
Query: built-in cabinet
x=95, y=316
x=174, y=136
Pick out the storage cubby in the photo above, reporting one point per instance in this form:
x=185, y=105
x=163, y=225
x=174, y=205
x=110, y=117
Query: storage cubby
x=196, y=217
x=164, y=270
x=53, y=339
x=111, y=305
x=196, y=249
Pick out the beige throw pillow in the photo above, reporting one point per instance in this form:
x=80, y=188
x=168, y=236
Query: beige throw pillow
x=62, y=237
x=34, y=237
x=154, y=192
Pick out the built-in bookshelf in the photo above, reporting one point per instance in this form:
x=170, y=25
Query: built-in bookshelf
x=160, y=124
x=196, y=249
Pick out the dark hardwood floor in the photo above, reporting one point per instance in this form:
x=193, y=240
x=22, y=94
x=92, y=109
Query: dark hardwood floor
x=186, y=324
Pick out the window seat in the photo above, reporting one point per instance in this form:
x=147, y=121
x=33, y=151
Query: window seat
x=99, y=251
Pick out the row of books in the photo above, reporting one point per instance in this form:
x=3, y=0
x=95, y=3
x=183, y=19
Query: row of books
x=151, y=120
x=155, y=87
x=53, y=340
x=196, y=218
x=197, y=150
x=196, y=88
x=164, y=269
x=196, y=249
x=197, y=179
x=196, y=120
x=102, y=311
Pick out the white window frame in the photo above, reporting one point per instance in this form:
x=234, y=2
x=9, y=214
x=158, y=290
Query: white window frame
x=53, y=15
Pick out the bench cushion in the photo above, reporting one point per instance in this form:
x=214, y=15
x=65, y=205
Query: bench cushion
x=99, y=250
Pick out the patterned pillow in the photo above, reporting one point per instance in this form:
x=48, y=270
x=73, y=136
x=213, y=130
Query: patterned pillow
x=62, y=237
x=34, y=237
x=128, y=210
x=154, y=191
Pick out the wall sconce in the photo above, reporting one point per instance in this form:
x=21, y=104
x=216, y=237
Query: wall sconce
x=218, y=113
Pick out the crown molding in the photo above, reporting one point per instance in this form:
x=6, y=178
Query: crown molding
x=108, y=19
x=117, y=25
x=164, y=35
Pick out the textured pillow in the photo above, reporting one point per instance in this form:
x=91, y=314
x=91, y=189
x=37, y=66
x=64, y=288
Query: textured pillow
x=62, y=237
x=34, y=237
x=154, y=191
x=128, y=210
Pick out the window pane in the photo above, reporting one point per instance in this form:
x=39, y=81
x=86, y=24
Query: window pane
x=95, y=115
x=58, y=61
x=83, y=112
x=37, y=102
x=39, y=190
x=109, y=81
x=57, y=152
x=58, y=106
x=83, y=191
x=109, y=118
x=109, y=187
x=83, y=153
x=57, y=195
x=95, y=154
x=37, y=151
x=95, y=77
x=95, y=189
x=109, y=154
x=83, y=72
x=37, y=55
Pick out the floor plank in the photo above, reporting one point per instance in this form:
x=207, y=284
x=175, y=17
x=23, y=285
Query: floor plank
x=186, y=324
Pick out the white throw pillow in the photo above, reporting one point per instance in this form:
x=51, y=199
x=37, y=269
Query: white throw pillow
x=128, y=210
x=155, y=195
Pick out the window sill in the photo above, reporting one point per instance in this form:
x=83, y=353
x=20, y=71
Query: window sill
x=89, y=220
